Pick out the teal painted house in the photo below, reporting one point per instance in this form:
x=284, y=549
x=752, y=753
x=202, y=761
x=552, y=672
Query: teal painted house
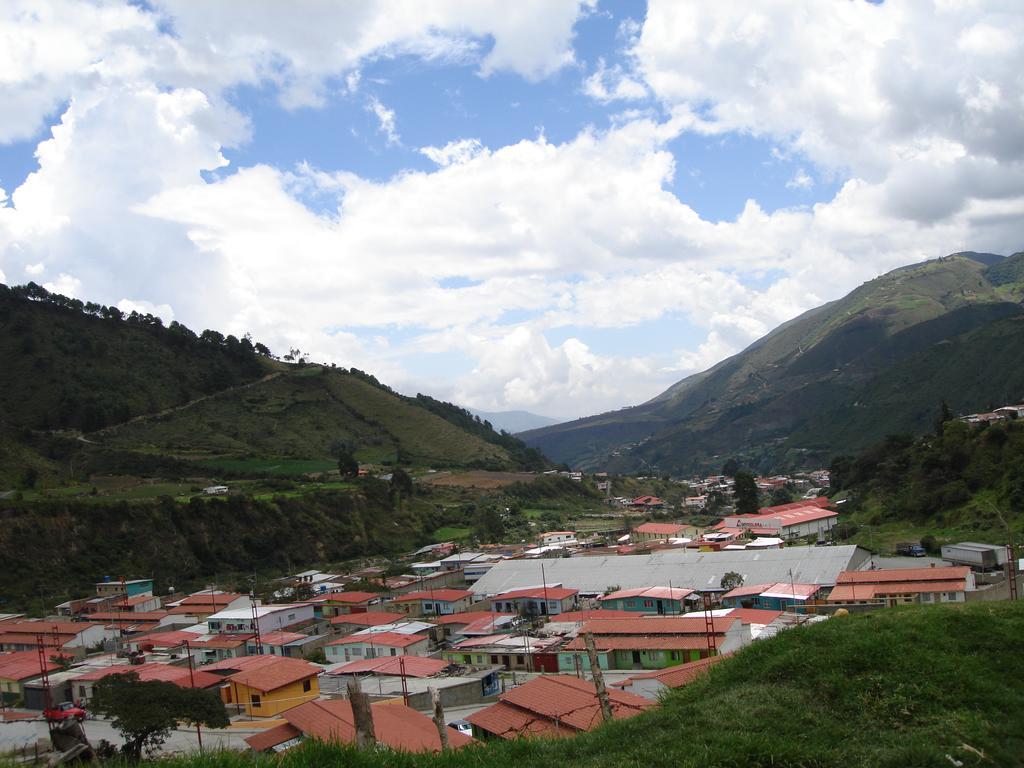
x=661, y=601
x=782, y=596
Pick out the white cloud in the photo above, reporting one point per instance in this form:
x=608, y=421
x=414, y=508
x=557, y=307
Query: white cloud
x=66, y=285
x=800, y=180
x=35, y=270
x=454, y=152
x=871, y=91
x=386, y=118
x=612, y=84
x=163, y=311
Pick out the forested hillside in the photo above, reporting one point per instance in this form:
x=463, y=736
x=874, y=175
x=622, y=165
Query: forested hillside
x=966, y=477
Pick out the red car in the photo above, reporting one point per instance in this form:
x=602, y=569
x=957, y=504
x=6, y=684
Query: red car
x=65, y=711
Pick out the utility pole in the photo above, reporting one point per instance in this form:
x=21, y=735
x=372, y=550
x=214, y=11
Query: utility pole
x=595, y=671
x=442, y=729
x=361, y=715
x=192, y=682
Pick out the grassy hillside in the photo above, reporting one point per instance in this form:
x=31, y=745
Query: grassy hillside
x=797, y=396
x=302, y=413
x=900, y=687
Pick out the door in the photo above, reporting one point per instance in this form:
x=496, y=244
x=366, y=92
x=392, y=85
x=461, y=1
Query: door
x=661, y=607
x=636, y=658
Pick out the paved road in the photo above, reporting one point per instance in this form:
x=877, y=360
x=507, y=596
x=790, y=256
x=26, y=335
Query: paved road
x=19, y=733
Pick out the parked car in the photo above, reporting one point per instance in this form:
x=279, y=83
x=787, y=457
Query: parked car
x=910, y=550
x=462, y=726
x=64, y=711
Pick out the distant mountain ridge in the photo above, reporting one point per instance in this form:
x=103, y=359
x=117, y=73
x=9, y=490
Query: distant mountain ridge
x=832, y=380
x=514, y=421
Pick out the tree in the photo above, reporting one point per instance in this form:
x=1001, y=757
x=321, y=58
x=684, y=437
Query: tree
x=781, y=495
x=490, y=527
x=731, y=467
x=401, y=485
x=731, y=581
x=716, y=500
x=942, y=417
x=146, y=712
x=744, y=492
x=347, y=464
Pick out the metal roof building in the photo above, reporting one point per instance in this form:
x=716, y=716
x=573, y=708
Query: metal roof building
x=702, y=571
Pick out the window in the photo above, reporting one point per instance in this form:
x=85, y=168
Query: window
x=428, y=607
x=255, y=701
x=467, y=659
x=306, y=686
x=520, y=659
x=648, y=603
x=291, y=616
x=394, y=652
x=674, y=655
x=358, y=652
x=494, y=659
x=479, y=659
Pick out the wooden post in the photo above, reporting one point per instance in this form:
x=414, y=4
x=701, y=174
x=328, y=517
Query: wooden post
x=595, y=671
x=361, y=714
x=442, y=729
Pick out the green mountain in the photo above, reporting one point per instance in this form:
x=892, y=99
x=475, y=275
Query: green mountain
x=86, y=386
x=832, y=380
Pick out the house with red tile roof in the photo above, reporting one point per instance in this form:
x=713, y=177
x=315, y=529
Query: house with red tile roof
x=17, y=668
x=651, y=685
x=348, y=623
x=73, y=637
x=780, y=596
x=266, y=686
x=395, y=726
x=651, y=600
x=647, y=502
x=536, y=601
x=434, y=602
x=900, y=586
x=370, y=645
x=474, y=624
x=84, y=686
x=552, y=706
x=206, y=602
x=789, y=524
x=341, y=603
x=654, y=642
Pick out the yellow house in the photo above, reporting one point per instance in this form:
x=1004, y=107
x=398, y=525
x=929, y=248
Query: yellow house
x=15, y=669
x=265, y=686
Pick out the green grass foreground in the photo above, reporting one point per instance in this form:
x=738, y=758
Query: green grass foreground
x=899, y=687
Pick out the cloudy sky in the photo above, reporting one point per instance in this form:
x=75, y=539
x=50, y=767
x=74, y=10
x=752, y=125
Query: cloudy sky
x=556, y=205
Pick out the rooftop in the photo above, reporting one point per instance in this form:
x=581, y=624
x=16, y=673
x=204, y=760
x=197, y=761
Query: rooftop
x=387, y=639
x=702, y=571
x=264, y=673
x=410, y=666
x=443, y=595
x=537, y=593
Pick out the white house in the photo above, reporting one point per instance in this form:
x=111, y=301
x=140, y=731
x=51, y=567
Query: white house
x=269, y=618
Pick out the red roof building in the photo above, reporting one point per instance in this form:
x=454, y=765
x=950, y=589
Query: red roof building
x=353, y=622
x=650, y=685
x=659, y=531
x=903, y=585
x=552, y=706
x=434, y=602
x=395, y=726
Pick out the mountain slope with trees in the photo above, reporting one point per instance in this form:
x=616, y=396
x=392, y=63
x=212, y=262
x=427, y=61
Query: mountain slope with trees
x=829, y=380
x=126, y=384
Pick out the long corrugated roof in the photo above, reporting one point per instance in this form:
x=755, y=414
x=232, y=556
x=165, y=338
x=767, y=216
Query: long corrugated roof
x=677, y=676
x=683, y=568
x=22, y=665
